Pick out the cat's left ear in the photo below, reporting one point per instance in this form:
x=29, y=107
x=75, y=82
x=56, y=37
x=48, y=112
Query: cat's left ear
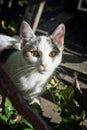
x=26, y=33
x=58, y=35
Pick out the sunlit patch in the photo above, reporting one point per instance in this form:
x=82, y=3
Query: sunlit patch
x=0, y=103
x=17, y=118
x=52, y=81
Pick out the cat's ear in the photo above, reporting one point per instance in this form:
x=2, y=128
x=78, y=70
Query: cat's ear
x=58, y=35
x=26, y=33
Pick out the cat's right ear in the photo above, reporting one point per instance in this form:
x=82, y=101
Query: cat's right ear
x=26, y=33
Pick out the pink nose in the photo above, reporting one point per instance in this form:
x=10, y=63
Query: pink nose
x=43, y=66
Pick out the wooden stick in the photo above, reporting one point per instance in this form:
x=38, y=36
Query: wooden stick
x=37, y=18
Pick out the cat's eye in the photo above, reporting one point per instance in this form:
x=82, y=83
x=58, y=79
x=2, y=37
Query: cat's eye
x=53, y=54
x=34, y=53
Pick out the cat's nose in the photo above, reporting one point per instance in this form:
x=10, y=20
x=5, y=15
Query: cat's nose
x=44, y=66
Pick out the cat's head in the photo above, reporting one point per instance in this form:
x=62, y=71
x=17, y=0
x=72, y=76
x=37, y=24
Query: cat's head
x=43, y=52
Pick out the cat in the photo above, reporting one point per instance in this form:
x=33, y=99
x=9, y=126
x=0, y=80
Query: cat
x=33, y=60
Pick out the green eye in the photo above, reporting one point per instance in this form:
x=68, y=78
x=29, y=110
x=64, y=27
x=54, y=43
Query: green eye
x=34, y=53
x=53, y=54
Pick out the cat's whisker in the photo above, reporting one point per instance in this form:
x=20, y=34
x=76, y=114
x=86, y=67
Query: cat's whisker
x=22, y=71
x=60, y=69
x=23, y=67
x=56, y=71
x=17, y=74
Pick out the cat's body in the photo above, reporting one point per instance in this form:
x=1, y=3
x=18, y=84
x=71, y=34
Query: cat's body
x=31, y=67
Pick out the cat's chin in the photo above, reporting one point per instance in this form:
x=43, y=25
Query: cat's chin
x=42, y=71
x=45, y=71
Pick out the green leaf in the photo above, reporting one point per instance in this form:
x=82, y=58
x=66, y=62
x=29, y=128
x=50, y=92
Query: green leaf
x=67, y=95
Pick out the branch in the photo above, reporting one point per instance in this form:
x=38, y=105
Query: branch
x=8, y=89
x=80, y=93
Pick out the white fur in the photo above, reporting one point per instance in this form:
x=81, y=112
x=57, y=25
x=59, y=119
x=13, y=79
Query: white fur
x=8, y=41
x=26, y=72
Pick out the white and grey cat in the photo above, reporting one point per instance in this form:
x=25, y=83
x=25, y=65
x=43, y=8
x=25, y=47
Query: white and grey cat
x=35, y=61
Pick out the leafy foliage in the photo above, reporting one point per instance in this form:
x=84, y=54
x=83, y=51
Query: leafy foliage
x=11, y=17
x=10, y=119
x=71, y=113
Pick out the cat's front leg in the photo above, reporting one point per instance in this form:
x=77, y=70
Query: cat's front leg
x=35, y=101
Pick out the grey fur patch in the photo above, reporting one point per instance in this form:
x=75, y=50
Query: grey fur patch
x=6, y=53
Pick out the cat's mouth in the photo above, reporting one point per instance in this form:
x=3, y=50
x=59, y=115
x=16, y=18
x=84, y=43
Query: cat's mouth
x=42, y=71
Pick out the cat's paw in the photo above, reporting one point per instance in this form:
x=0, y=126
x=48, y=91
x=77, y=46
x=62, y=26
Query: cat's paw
x=35, y=100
